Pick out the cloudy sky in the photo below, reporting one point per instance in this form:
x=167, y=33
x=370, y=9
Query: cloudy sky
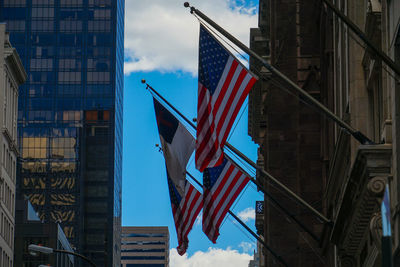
x=161, y=46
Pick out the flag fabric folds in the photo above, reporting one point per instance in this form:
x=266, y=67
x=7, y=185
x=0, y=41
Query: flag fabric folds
x=223, y=86
x=185, y=211
x=221, y=186
x=178, y=145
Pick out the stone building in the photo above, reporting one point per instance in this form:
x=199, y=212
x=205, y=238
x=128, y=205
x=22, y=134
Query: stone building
x=313, y=156
x=365, y=92
x=287, y=130
x=12, y=74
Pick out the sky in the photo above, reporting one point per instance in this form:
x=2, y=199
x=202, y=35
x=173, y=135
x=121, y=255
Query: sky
x=161, y=46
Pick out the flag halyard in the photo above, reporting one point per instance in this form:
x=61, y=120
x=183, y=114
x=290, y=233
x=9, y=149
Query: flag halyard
x=223, y=86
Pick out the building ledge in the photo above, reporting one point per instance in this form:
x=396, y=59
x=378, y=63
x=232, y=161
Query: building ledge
x=358, y=202
x=15, y=63
x=11, y=142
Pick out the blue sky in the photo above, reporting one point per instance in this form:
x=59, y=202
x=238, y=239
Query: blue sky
x=168, y=61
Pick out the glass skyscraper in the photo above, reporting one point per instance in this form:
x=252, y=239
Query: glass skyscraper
x=70, y=116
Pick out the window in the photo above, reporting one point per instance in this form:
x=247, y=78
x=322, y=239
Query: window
x=67, y=3
x=69, y=64
x=98, y=77
x=16, y=25
x=70, y=26
x=14, y=3
x=42, y=25
x=42, y=2
x=69, y=77
x=42, y=12
x=101, y=3
x=14, y=13
x=42, y=63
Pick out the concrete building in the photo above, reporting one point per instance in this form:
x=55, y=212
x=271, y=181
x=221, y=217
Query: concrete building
x=314, y=157
x=12, y=75
x=70, y=117
x=145, y=246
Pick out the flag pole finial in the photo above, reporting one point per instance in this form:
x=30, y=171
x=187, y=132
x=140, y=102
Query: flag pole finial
x=186, y=4
x=143, y=81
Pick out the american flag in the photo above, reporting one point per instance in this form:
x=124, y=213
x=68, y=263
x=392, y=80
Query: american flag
x=221, y=186
x=223, y=86
x=185, y=211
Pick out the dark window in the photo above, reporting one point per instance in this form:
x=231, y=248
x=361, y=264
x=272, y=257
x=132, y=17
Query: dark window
x=14, y=13
x=142, y=257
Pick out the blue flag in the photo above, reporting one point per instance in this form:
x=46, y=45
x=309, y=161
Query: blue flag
x=385, y=212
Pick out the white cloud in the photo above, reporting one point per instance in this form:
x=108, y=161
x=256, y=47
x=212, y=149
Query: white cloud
x=212, y=257
x=247, y=214
x=199, y=219
x=247, y=247
x=162, y=35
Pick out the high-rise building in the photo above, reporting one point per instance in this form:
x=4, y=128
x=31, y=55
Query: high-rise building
x=70, y=117
x=33, y=231
x=12, y=74
x=145, y=246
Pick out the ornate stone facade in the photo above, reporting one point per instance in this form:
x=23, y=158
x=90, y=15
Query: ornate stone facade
x=12, y=74
x=309, y=153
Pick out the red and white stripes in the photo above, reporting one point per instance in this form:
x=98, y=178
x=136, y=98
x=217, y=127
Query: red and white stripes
x=216, y=112
x=185, y=215
x=219, y=199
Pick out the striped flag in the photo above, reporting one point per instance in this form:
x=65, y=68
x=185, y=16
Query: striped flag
x=178, y=145
x=185, y=211
x=221, y=186
x=223, y=86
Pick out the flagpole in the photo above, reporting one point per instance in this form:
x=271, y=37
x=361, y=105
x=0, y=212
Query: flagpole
x=360, y=137
x=276, y=202
x=249, y=161
x=259, y=239
x=391, y=64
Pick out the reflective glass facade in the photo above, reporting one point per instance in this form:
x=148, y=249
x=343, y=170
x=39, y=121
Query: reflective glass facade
x=70, y=116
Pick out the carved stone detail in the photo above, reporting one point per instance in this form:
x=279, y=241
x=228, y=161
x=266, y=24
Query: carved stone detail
x=376, y=186
x=375, y=228
x=347, y=261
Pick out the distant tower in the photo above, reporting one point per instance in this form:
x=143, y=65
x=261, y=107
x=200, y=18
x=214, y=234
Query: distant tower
x=145, y=246
x=70, y=116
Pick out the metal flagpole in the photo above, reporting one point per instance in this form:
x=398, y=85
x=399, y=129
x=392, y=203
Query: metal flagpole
x=355, y=133
x=363, y=37
x=279, y=258
x=249, y=161
x=276, y=202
